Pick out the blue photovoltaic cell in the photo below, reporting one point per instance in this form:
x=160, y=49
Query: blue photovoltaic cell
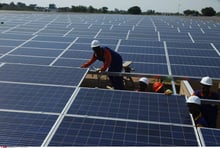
x=148, y=68
x=50, y=45
x=42, y=74
x=98, y=132
x=84, y=47
x=10, y=42
x=189, y=45
x=192, y=52
x=37, y=52
x=16, y=36
x=195, y=71
x=20, y=129
x=144, y=58
x=131, y=105
x=5, y=49
x=75, y=63
x=144, y=50
x=142, y=43
x=78, y=54
x=27, y=60
x=208, y=61
x=54, y=38
x=34, y=98
x=210, y=136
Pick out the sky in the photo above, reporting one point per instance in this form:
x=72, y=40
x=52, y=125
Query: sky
x=157, y=5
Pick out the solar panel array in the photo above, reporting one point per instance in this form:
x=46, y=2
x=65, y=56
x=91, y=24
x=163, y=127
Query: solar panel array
x=42, y=103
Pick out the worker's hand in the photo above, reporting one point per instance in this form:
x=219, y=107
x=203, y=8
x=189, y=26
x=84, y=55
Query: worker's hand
x=98, y=70
x=83, y=66
x=168, y=92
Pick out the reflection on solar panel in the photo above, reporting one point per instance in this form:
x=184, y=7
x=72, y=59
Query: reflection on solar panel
x=42, y=103
x=210, y=137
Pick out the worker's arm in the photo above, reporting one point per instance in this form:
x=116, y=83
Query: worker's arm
x=108, y=60
x=88, y=63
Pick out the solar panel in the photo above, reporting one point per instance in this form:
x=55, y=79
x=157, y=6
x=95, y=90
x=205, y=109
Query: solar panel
x=210, y=137
x=22, y=129
x=76, y=131
x=131, y=105
x=203, y=61
x=42, y=74
x=145, y=58
x=192, y=52
x=34, y=98
x=40, y=102
x=144, y=50
x=8, y=42
x=26, y=59
x=195, y=71
x=51, y=45
x=78, y=54
x=36, y=52
x=148, y=68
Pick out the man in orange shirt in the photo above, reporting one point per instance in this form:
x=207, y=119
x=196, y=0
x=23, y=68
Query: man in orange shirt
x=111, y=61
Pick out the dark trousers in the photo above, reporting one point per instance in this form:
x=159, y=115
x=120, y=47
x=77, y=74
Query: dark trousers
x=116, y=81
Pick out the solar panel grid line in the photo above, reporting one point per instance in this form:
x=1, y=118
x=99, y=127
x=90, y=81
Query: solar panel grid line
x=65, y=50
x=18, y=47
x=29, y=112
x=38, y=31
x=158, y=34
x=97, y=34
x=191, y=38
x=68, y=32
x=126, y=120
x=213, y=46
x=60, y=118
x=118, y=45
x=201, y=137
x=38, y=84
x=8, y=30
x=127, y=36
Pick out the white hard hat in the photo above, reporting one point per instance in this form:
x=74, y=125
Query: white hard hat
x=194, y=100
x=144, y=80
x=206, y=81
x=95, y=43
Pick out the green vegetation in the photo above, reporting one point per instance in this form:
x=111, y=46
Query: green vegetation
x=208, y=11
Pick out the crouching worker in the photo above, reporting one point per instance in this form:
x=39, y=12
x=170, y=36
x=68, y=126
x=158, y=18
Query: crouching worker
x=143, y=84
x=194, y=105
x=111, y=61
x=159, y=88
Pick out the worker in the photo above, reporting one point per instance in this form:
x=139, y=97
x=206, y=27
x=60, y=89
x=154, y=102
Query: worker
x=159, y=87
x=111, y=61
x=209, y=111
x=143, y=84
x=194, y=105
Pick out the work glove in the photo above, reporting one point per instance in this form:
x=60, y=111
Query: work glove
x=98, y=70
x=168, y=92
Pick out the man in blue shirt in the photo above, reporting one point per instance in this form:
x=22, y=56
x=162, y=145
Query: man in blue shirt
x=209, y=111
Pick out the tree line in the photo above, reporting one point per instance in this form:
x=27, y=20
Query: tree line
x=209, y=11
